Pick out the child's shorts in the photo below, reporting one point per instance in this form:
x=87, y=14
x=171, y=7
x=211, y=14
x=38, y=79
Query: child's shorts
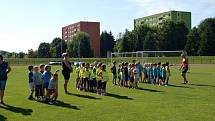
x=184, y=70
x=132, y=79
x=145, y=75
x=126, y=78
x=104, y=85
x=45, y=86
x=38, y=90
x=31, y=86
x=94, y=83
x=114, y=76
x=136, y=79
x=99, y=85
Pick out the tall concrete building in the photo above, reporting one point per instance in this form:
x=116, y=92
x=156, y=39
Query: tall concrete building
x=157, y=19
x=92, y=28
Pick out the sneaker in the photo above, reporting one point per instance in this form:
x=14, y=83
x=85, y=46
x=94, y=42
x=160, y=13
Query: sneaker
x=30, y=97
x=2, y=103
x=51, y=102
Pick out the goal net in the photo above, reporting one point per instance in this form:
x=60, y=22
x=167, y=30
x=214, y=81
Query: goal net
x=172, y=57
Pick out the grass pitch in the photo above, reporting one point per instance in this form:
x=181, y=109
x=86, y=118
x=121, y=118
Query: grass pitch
x=177, y=102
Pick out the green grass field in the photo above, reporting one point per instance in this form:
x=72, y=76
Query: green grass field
x=177, y=102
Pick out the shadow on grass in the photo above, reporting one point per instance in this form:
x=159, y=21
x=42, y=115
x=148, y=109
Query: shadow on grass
x=85, y=96
x=118, y=96
x=202, y=85
x=14, y=109
x=172, y=85
x=65, y=105
x=148, y=90
x=60, y=104
x=2, y=118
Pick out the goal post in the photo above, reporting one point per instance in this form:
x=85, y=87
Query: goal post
x=148, y=56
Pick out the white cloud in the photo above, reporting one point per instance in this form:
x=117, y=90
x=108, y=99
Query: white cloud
x=200, y=9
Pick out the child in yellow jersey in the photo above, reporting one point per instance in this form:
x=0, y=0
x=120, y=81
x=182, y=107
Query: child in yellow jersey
x=87, y=77
x=105, y=79
x=77, y=71
x=99, y=78
x=93, y=82
x=168, y=74
x=81, y=75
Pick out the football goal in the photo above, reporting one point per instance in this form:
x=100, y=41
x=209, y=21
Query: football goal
x=148, y=56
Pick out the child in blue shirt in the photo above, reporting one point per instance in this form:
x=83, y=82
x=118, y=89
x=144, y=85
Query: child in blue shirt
x=159, y=74
x=31, y=82
x=155, y=72
x=37, y=78
x=151, y=78
x=163, y=74
x=145, y=73
x=46, y=78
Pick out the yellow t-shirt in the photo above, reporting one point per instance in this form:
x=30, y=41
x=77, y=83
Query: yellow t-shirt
x=105, y=76
x=87, y=73
x=167, y=71
x=93, y=74
x=98, y=74
x=81, y=72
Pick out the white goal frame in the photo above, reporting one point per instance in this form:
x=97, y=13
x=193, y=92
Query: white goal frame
x=145, y=54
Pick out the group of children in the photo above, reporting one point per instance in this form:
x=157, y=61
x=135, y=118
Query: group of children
x=157, y=73
x=129, y=75
x=92, y=77
x=43, y=83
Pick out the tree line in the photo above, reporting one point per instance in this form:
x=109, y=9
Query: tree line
x=169, y=36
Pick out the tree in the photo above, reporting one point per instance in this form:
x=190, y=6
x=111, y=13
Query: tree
x=80, y=45
x=141, y=32
x=53, y=52
x=123, y=42
x=32, y=53
x=43, y=50
x=193, y=42
x=21, y=55
x=150, y=41
x=172, y=36
x=207, y=42
x=9, y=55
x=58, y=46
x=106, y=43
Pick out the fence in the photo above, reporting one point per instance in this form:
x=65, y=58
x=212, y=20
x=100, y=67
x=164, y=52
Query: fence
x=173, y=60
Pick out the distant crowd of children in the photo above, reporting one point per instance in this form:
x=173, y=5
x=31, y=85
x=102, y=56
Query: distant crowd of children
x=43, y=83
x=92, y=78
x=129, y=75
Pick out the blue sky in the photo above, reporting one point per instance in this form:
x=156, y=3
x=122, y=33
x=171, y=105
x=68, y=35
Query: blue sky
x=26, y=23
